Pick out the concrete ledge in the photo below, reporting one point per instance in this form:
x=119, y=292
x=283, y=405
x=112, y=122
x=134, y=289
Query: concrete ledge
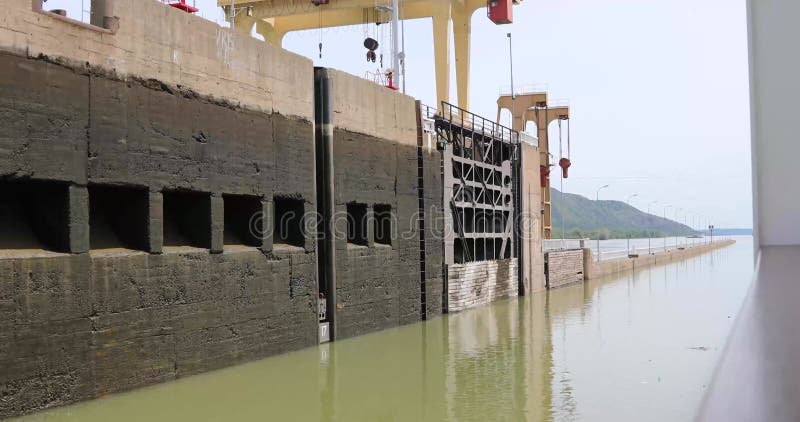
x=758, y=376
x=155, y=41
x=362, y=106
x=595, y=269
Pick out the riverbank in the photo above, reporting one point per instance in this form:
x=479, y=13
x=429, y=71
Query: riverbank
x=594, y=269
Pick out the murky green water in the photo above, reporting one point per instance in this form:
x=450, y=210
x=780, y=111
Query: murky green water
x=630, y=348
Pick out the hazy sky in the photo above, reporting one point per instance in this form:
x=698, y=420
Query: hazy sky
x=658, y=91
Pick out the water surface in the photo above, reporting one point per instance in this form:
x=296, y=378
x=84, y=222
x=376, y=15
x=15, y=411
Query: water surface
x=628, y=348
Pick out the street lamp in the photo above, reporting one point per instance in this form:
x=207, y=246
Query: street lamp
x=665, y=234
x=628, y=201
x=649, y=232
x=597, y=198
x=511, y=75
x=234, y=12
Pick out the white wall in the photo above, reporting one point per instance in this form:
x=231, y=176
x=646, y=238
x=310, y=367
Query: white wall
x=774, y=32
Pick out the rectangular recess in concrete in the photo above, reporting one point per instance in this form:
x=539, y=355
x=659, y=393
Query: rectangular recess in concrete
x=458, y=251
x=187, y=219
x=118, y=217
x=480, y=249
x=357, y=224
x=288, y=221
x=34, y=215
x=243, y=220
x=383, y=223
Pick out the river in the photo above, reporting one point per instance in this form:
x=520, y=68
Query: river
x=632, y=347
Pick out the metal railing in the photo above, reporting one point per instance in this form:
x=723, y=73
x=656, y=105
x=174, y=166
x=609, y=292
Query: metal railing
x=476, y=123
x=644, y=250
x=524, y=89
x=428, y=112
x=432, y=113
x=557, y=103
x=528, y=139
x=563, y=244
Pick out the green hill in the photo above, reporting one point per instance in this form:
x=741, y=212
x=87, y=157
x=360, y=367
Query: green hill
x=584, y=218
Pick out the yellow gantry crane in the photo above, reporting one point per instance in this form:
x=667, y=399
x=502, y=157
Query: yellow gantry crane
x=273, y=19
x=532, y=106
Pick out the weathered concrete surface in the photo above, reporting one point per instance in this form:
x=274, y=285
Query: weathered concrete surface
x=564, y=267
x=479, y=283
x=362, y=106
x=433, y=185
x=158, y=42
x=595, y=269
x=170, y=105
x=377, y=286
x=80, y=326
x=44, y=110
x=375, y=163
x=530, y=226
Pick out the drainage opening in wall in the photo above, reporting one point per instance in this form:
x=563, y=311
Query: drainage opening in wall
x=458, y=251
x=357, y=224
x=383, y=224
x=34, y=215
x=187, y=219
x=243, y=220
x=288, y=221
x=480, y=249
x=118, y=217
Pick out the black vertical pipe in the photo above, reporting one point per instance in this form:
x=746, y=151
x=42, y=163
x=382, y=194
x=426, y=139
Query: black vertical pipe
x=326, y=240
x=517, y=180
x=421, y=218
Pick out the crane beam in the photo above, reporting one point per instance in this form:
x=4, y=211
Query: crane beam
x=273, y=19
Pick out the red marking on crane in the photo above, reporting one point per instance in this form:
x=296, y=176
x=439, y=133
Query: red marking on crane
x=500, y=11
x=183, y=6
x=564, y=163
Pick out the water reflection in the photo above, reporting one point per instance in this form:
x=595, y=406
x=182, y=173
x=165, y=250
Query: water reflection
x=632, y=347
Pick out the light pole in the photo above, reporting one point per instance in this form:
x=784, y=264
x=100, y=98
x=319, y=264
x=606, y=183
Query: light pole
x=597, y=198
x=511, y=71
x=677, y=210
x=701, y=224
x=628, y=201
x=665, y=234
x=685, y=239
x=234, y=11
x=649, y=232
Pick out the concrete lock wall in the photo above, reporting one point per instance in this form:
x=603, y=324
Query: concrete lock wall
x=564, y=267
x=375, y=160
x=530, y=224
x=162, y=43
x=149, y=173
x=143, y=141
